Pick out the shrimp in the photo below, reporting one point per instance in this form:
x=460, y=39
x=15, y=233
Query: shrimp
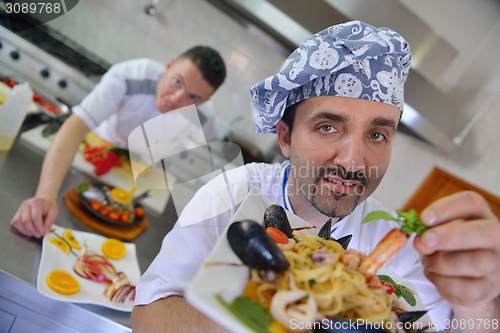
x=384, y=251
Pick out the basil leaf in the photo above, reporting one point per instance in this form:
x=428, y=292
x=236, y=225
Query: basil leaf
x=408, y=296
x=251, y=313
x=387, y=278
x=397, y=291
x=410, y=215
x=83, y=187
x=378, y=215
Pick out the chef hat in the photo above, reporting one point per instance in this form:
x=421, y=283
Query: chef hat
x=353, y=59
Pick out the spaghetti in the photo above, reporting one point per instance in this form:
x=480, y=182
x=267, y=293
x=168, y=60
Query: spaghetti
x=323, y=280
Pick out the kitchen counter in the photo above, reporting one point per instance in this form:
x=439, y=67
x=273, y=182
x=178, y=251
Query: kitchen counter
x=19, y=173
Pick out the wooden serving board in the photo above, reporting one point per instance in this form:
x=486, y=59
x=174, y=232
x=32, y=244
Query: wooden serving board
x=125, y=233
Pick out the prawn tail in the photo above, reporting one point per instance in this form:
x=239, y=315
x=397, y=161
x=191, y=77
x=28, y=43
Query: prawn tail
x=385, y=250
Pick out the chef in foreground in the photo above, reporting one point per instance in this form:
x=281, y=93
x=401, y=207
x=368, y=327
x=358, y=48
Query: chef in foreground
x=129, y=94
x=335, y=106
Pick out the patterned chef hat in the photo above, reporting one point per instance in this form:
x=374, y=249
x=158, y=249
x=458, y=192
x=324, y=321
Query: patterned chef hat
x=353, y=59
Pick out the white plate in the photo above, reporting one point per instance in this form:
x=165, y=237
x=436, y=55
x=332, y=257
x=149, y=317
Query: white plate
x=229, y=281
x=90, y=292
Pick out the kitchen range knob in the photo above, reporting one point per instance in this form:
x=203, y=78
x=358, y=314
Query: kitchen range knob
x=62, y=83
x=45, y=73
x=15, y=55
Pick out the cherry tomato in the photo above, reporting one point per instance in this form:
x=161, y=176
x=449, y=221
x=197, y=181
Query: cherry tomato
x=387, y=286
x=104, y=211
x=114, y=216
x=125, y=218
x=139, y=212
x=277, y=235
x=97, y=206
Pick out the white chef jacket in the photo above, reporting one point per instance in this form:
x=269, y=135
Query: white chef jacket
x=185, y=248
x=124, y=99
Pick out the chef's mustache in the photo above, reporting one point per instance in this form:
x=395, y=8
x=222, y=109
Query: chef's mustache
x=341, y=172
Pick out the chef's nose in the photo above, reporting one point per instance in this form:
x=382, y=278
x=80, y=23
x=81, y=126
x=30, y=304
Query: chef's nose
x=351, y=154
x=177, y=96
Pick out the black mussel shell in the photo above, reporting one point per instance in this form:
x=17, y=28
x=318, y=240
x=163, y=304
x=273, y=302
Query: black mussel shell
x=344, y=241
x=411, y=316
x=275, y=216
x=344, y=326
x=326, y=230
x=254, y=247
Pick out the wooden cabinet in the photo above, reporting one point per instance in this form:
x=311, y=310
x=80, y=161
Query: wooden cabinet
x=440, y=184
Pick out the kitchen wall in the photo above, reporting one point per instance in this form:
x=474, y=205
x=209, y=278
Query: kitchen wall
x=118, y=30
x=472, y=80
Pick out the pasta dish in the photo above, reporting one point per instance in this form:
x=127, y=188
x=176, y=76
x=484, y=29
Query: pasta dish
x=323, y=280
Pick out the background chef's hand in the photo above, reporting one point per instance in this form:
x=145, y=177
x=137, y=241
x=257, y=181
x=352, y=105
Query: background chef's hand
x=461, y=252
x=35, y=216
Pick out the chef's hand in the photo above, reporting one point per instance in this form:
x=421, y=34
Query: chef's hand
x=35, y=216
x=461, y=252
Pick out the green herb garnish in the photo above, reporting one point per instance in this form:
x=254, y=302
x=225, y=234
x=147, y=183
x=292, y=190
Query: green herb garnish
x=252, y=314
x=409, y=221
x=400, y=290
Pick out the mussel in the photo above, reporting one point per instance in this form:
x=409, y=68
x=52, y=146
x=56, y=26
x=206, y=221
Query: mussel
x=410, y=316
x=255, y=248
x=275, y=216
x=325, y=233
x=326, y=230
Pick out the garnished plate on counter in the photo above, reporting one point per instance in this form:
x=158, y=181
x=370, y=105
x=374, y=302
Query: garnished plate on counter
x=77, y=267
x=110, y=204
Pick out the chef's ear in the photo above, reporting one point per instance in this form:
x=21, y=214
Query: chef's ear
x=169, y=63
x=283, y=132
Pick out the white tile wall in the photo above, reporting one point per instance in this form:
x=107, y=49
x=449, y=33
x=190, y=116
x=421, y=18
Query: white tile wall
x=118, y=30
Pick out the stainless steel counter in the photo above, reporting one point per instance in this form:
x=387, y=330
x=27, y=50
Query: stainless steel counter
x=20, y=256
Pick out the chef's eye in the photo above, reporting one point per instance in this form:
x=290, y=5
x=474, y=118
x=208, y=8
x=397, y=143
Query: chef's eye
x=177, y=82
x=192, y=98
x=327, y=128
x=377, y=136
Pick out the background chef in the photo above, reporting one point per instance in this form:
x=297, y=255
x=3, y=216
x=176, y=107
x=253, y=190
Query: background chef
x=128, y=94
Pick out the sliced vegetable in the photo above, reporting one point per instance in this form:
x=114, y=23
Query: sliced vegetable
x=388, y=287
x=277, y=236
x=109, y=159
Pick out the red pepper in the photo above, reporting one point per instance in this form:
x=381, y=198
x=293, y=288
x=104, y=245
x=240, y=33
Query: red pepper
x=108, y=161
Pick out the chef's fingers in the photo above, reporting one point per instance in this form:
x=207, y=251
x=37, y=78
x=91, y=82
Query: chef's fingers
x=36, y=208
x=16, y=222
x=472, y=263
x=25, y=219
x=460, y=235
x=463, y=290
x=50, y=218
x=462, y=205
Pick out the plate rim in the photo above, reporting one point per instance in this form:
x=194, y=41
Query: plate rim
x=40, y=280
